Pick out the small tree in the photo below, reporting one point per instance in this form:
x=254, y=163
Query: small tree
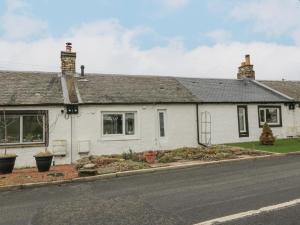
x=267, y=137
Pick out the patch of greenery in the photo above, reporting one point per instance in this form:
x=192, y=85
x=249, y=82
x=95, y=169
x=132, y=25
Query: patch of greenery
x=280, y=146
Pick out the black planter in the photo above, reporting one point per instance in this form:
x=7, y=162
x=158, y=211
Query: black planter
x=43, y=163
x=7, y=164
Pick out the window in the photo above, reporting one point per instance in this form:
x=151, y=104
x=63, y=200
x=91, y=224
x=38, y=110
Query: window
x=119, y=123
x=243, y=121
x=270, y=115
x=26, y=127
x=161, y=123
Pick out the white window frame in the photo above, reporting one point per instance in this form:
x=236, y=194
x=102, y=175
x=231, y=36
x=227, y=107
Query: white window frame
x=164, y=111
x=264, y=110
x=21, y=142
x=122, y=136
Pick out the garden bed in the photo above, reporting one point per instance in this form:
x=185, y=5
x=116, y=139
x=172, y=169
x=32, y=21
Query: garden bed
x=31, y=175
x=128, y=161
x=96, y=165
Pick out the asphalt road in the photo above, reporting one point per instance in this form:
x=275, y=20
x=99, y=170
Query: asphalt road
x=185, y=196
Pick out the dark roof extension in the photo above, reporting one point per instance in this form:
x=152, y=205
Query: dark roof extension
x=230, y=91
x=30, y=88
x=289, y=88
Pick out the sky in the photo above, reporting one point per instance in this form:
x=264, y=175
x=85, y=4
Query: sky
x=189, y=38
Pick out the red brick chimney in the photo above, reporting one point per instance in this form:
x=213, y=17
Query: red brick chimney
x=246, y=69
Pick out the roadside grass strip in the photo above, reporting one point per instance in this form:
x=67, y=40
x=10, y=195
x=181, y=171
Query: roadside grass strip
x=251, y=213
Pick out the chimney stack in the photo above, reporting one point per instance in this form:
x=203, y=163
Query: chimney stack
x=68, y=60
x=246, y=69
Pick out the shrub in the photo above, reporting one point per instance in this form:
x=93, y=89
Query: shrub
x=131, y=155
x=267, y=137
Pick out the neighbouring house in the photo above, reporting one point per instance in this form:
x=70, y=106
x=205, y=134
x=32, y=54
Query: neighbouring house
x=78, y=114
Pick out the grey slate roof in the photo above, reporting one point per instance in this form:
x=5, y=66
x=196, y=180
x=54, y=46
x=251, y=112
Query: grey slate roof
x=229, y=90
x=40, y=88
x=30, y=88
x=289, y=88
x=126, y=89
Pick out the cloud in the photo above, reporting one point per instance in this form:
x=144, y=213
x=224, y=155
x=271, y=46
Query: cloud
x=17, y=22
x=219, y=36
x=108, y=47
x=272, y=17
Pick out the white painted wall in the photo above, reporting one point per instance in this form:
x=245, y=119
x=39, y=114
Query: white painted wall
x=181, y=130
x=59, y=128
x=224, y=126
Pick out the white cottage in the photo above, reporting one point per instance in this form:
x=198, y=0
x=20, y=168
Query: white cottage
x=75, y=115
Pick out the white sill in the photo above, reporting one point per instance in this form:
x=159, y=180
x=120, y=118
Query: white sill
x=119, y=137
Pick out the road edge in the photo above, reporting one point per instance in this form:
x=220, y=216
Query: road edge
x=133, y=172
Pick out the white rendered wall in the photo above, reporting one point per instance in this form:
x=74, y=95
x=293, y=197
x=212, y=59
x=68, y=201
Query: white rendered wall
x=224, y=126
x=180, y=128
x=59, y=129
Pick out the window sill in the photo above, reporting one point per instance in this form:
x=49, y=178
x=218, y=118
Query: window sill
x=270, y=125
x=119, y=138
x=32, y=145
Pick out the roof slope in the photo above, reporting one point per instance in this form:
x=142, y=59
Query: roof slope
x=107, y=89
x=30, y=88
x=229, y=90
x=289, y=88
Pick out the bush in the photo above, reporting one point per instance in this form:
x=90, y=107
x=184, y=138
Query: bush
x=131, y=155
x=267, y=137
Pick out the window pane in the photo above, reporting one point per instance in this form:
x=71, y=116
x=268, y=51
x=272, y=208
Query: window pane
x=12, y=124
x=33, y=128
x=112, y=124
x=271, y=115
x=161, y=124
x=262, y=115
x=129, y=123
x=242, y=119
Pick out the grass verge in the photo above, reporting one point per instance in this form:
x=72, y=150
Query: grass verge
x=280, y=146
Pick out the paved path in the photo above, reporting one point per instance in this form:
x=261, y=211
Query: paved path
x=186, y=196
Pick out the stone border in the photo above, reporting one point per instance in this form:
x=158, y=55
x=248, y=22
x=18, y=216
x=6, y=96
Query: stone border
x=135, y=172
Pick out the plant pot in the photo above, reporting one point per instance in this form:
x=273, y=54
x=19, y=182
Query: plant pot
x=150, y=157
x=43, y=163
x=7, y=164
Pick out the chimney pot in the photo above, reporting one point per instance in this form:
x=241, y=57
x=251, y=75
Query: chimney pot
x=247, y=59
x=68, y=47
x=82, y=70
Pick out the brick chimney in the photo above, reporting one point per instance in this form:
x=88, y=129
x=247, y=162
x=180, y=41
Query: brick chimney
x=68, y=60
x=246, y=69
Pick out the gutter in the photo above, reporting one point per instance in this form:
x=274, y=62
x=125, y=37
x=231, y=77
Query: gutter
x=197, y=120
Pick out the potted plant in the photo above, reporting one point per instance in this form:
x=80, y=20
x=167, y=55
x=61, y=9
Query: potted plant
x=7, y=161
x=150, y=156
x=43, y=160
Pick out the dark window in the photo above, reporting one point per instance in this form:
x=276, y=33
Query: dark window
x=243, y=121
x=119, y=123
x=23, y=127
x=270, y=115
x=129, y=123
x=161, y=124
x=113, y=124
